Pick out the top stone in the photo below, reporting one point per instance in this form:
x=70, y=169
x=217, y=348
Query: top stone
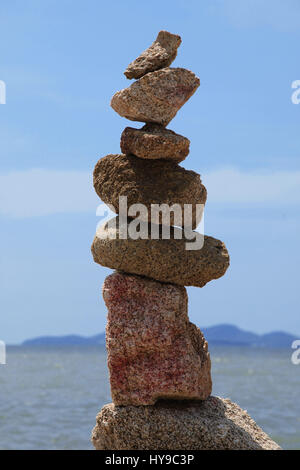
x=159, y=55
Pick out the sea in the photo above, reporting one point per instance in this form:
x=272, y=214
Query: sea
x=49, y=397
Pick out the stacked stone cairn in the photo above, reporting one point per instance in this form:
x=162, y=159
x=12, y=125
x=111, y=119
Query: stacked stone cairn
x=159, y=364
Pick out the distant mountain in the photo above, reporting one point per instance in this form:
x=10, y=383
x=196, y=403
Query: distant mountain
x=232, y=335
x=229, y=335
x=70, y=340
x=279, y=338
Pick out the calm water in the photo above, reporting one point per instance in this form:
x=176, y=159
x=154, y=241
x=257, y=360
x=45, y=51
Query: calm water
x=49, y=399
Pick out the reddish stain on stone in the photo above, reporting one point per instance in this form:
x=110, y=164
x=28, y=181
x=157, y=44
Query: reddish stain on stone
x=153, y=350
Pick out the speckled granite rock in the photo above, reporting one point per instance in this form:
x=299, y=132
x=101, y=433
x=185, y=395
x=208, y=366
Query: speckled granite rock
x=149, y=182
x=157, y=96
x=160, y=259
x=160, y=54
x=154, y=141
x=214, y=424
x=153, y=350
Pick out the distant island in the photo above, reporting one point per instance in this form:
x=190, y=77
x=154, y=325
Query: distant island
x=227, y=335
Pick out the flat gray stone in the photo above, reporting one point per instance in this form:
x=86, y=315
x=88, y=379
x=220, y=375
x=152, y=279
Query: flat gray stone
x=165, y=260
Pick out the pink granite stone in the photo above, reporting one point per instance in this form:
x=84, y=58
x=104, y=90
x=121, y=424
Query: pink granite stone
x=153, y=350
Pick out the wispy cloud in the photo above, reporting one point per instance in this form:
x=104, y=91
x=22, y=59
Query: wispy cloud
x=39, y=192
x=232, y=186
x=30, y=83
x=277, y=14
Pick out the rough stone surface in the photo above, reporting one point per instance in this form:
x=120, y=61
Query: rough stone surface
x=149, y=182
x=157, y=96
x=153, y=350
x=160, y=259
x=153, y=141
x=160, y=54
x=214, y=424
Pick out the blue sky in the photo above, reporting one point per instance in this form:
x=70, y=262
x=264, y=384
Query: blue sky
x=61, y=62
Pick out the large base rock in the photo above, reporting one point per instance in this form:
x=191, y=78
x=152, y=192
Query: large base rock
x=214, y=424
x=153, y=350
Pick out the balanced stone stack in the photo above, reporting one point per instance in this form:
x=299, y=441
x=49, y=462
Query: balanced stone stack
x=159, y=364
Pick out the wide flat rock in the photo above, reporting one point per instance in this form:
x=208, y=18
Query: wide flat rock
x=153, y=350
x=160, y=54
x=153, y=142
x=150, y=182
x=213, y=424
x=162, y=259
x=157, y=96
